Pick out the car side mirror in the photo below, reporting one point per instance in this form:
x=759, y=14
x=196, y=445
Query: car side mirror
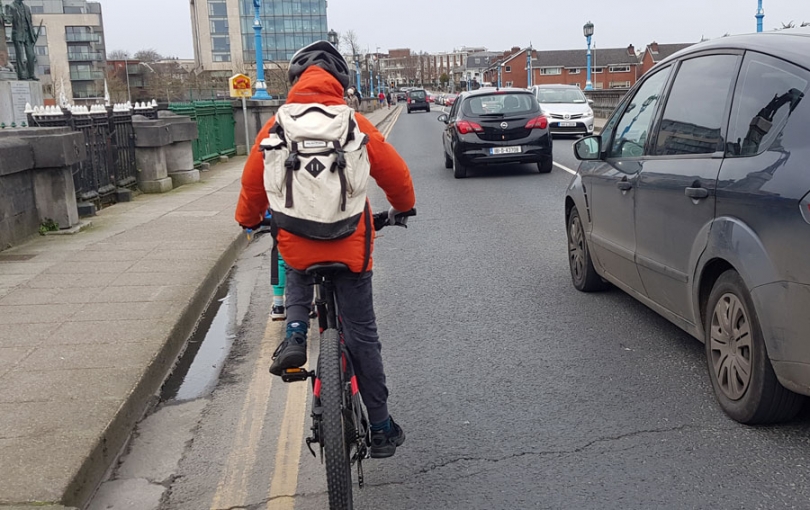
x=589, y=148
x=443, y=118
x=590, y=101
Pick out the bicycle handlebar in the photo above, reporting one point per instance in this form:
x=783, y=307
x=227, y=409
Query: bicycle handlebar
x=381, y=219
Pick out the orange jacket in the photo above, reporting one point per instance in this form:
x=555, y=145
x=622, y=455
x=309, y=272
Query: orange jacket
x=387, y=168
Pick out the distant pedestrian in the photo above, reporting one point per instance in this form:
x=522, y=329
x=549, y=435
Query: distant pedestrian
x=392, y=99
x=381, y=97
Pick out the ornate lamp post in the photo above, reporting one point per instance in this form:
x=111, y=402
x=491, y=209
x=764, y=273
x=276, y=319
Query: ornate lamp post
x=261, y=86
x=760, y=15
x=332, y=37
x=588, y=31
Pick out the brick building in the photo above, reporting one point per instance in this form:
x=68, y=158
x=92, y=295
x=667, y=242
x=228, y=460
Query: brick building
x=613, y=68
x=657, y=52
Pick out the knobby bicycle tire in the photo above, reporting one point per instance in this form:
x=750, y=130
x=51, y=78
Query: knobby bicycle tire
x=333, y=427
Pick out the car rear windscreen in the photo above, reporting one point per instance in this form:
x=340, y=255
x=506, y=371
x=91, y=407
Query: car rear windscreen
x=418, y=94
x=560, y=96
x=501, y=104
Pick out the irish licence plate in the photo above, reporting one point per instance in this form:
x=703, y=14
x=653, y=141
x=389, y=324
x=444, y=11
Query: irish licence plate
x=505, y=150
x=568, y=124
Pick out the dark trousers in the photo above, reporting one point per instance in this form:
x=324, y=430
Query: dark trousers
x=21, y=49
x=356, y=307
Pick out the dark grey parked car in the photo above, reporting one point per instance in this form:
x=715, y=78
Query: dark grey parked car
x=694, y=200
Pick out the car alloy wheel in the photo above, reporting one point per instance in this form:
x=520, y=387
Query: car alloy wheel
x=731, y=347
x=583, y=275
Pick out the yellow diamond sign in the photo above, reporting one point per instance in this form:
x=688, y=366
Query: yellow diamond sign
x=239, y=85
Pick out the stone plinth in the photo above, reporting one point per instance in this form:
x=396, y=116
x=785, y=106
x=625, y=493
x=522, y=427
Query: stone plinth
x=164, y=153
x=13, y=97
x=36, y=182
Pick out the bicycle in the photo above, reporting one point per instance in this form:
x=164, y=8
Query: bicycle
x=340, y=425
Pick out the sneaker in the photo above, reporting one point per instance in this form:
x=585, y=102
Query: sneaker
x=278, y=313
x=292, y=353
x=385, y=445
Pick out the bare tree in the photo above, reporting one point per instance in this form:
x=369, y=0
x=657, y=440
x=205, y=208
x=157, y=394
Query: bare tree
x=786, y=26
x=349, y=39
x=116, y=84
x=805, y=24
x=118, y=55
x=148, y=55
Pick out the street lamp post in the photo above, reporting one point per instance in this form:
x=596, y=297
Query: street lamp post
x=500, y=68
x=588, y=30
x=760, y=16
x=529, y=66
x=261, y=87
x=357, y=71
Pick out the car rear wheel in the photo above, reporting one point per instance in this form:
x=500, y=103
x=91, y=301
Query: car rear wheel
x=545, y=166
x=742, y=376
x=459, y=170
x=448, y=161
x=583, y=275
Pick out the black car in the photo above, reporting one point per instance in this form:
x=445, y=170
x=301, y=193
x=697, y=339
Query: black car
x=695, y=200
x=492, y=127
x=417, y=100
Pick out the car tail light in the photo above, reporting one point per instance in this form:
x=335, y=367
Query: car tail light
x=537, y=123
x=465, y=126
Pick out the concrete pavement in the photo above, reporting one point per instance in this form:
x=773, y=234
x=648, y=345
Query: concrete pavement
x=91, y=324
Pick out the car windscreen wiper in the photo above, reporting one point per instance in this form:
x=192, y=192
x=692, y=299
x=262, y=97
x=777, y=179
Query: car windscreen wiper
x=491, y=115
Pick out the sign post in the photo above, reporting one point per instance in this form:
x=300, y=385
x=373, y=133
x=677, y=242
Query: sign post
x=239, y=86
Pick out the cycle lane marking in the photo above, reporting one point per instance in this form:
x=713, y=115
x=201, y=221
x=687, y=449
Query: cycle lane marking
x=284, y=481
x=233, y=485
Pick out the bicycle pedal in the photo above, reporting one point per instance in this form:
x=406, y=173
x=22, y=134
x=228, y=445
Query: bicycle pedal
x=296, y=375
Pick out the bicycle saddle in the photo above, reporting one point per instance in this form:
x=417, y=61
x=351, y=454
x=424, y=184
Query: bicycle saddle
x=328, y=268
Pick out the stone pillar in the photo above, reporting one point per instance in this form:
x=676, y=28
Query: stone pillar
x=259, y=112
x=36, y=181
x=151, y=138
x=180, y=153
x=163, y=152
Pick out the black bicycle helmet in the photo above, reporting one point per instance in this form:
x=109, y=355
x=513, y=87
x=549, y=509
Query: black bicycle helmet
x=323, y=55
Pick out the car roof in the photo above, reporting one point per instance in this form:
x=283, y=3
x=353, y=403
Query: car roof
x=489, y=90
x=791, y=44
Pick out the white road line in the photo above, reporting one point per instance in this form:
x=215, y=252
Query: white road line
x=563, y=167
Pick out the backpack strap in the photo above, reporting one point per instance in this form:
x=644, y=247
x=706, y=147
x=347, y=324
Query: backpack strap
x=291, y=164
x=274, y=276
x=369, y=233
x=340, y=166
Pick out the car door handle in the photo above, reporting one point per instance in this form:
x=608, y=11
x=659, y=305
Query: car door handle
x=624, y=185
x=697, y=193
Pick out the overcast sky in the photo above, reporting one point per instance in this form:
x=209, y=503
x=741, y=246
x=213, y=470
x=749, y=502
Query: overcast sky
x=441, y=25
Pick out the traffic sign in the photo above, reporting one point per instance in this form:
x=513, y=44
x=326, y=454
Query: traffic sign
x=239, y=86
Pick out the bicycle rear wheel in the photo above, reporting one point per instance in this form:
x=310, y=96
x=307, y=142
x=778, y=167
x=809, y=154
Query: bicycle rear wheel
x=333, y=425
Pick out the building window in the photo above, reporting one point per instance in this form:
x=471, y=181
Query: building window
x=507, y=69
x=598, y=70
x=599, y=85
x=619, y=69
x=620, y=84
x=41, y=50
x=218, y=9
x=508, y=84
x=71, y=10
x=220, y=43
x=219, y=26
x=575, y=70
x=222, y=57
x=550, y=71
x=37, y=9
x=578, y=84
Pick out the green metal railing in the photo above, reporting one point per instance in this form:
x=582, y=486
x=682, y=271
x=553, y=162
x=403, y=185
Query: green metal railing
x=215, y=127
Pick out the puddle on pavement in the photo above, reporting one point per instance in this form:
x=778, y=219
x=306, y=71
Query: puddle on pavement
x=197, y=371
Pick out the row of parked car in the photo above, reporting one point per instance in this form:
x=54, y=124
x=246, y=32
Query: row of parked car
x=694, y=199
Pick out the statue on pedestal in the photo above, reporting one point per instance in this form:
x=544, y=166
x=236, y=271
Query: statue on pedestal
x=24, y=37
x=3, y=46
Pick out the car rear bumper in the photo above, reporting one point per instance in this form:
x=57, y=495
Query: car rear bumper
x=478, y=153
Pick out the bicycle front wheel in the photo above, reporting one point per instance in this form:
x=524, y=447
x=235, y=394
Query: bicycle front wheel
x=333, y=424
